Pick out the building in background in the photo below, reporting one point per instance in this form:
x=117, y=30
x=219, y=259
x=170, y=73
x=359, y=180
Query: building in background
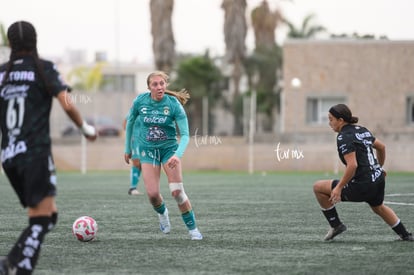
x=373, y=77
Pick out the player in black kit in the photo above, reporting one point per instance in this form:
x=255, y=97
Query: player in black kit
x=27, y=87
x=363, y=179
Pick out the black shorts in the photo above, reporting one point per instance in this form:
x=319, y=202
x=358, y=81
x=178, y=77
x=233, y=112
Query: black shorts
x=32, y=180
x=369, y=192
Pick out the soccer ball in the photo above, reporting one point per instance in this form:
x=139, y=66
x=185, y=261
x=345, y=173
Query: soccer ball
x=85, y=228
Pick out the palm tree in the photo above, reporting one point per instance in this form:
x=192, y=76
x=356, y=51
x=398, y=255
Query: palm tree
x=264, y=25
x=306, y=30
x=235, y=31
x=266, y=61
x=163, y=44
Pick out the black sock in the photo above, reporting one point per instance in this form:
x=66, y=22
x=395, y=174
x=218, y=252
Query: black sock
x=26, y=251
x=400, y=230
x=332, y=216
x=53, y=220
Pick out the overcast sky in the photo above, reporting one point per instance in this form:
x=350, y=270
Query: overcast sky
x=121, y=28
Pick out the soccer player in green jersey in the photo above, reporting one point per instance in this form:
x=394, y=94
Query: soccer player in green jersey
x=158, y=113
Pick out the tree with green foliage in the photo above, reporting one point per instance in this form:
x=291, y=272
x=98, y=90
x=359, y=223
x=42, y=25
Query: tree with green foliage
x=265, y=62
x=3, y=36
x=306, y=30
x=4, y=45
x=87, y=79
x=201, y=77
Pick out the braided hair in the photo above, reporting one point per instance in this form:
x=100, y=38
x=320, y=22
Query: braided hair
x=22, y=38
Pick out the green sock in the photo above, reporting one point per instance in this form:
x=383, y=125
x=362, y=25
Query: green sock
x=134, y=176
x=161, y=208
x=189, y=219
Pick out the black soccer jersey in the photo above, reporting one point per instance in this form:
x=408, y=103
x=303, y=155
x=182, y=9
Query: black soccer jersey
x=358, y=139
x=25, y=104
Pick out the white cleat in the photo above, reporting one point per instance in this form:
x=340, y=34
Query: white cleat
x=195, y=235
x=165, y=225
x=134, y=192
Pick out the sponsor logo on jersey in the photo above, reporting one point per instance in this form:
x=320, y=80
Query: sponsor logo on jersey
x=144, y=110
x=155, y=119
x=13, y=91
x=19, y=76
x=361, y=136
x=12, y=150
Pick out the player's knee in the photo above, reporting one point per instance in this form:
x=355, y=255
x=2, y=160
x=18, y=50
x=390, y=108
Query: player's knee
x=154, y=199
x=177, y=191
x=316, y=186
x=320, y=186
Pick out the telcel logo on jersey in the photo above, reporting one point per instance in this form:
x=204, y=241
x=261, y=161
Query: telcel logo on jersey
x=155, y=119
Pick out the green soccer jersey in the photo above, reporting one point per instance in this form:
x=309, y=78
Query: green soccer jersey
x=153, y=123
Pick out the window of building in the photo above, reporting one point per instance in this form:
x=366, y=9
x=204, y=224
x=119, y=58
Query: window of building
x=317, y=109
x=410, y=110
x=118, y=83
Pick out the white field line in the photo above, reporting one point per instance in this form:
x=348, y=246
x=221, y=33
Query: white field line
x=399, y=195
x=398, y=203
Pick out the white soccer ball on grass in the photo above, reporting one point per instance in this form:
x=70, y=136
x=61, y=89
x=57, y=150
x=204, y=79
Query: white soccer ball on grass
x=85, y=228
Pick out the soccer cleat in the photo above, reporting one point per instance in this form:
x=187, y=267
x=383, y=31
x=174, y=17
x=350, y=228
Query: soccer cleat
x=334, y=231
x=409, y=237
x=133, y=192
x=195, y=234
x=165, y=224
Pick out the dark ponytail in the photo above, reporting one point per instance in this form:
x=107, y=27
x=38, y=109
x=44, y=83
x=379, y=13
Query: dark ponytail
x=342, y=111
x=22, y=38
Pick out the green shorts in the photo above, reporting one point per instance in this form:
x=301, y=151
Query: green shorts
x=156, y=156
